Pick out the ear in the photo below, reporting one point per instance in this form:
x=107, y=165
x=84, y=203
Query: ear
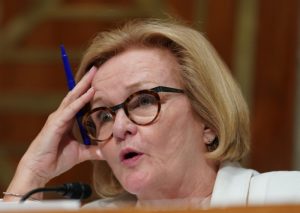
x=208, y=135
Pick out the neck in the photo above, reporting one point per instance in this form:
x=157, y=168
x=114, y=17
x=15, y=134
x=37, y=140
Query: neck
x=192, y=190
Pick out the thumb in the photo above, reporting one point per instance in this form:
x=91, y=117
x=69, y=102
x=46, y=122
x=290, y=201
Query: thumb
x=91, y=152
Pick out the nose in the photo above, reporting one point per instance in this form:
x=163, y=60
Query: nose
x=123, y=126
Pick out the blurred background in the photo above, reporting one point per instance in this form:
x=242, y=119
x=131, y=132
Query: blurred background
x=258, y=39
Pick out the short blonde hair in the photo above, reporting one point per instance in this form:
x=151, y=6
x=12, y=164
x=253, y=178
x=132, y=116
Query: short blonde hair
x=213, y=93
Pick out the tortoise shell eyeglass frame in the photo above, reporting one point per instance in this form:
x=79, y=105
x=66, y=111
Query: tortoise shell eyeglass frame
x=90, y=127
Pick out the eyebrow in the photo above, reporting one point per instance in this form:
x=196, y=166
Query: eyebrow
x=132, y=88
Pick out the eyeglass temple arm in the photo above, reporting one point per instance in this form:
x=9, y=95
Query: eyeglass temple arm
x=167, y=89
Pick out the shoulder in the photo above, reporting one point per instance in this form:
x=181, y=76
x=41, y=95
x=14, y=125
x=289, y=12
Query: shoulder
x=231, y=185
x=275, y=187
x=235, y=185
x=234, y=169
x=125, y=200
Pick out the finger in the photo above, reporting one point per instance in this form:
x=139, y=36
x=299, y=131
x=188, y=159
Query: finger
x=91, y=152
x=72, y=109
x=61, y=120
x=80, y=88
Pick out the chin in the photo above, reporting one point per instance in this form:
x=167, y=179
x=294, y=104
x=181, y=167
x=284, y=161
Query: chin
x=136, y=182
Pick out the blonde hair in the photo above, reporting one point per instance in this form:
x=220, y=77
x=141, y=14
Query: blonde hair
x=213, y=93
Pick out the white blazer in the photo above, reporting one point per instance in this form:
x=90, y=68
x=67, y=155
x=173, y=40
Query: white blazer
x=235, y=186
x=238, y=186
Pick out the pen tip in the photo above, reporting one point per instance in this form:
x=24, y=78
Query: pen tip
x=62, y=49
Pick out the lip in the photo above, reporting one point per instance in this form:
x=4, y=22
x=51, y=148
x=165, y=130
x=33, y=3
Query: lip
x=130, y=157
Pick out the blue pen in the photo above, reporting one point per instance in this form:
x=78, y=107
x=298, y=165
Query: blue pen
x=71, y=85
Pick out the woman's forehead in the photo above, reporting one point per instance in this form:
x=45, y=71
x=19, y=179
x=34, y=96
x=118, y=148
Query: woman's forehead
x=138, y=65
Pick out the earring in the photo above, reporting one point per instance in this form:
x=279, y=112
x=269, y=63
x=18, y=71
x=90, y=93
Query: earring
x=213, y=144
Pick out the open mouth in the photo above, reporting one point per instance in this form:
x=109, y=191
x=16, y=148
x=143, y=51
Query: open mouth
x=129, y=154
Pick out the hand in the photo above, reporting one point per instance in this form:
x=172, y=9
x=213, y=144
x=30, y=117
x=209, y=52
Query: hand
x=55, y=149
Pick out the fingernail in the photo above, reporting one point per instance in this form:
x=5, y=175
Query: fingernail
x=93, y=69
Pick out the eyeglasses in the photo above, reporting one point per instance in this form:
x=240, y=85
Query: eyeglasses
x=142, y=108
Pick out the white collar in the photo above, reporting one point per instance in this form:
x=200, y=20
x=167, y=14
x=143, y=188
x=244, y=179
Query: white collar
x=231, y=185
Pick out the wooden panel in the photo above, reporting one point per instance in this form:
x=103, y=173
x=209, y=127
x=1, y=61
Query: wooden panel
x=88, y=3
x=220, y=27
x=184, y=9
x=12, y=8
x=20, y=127
x=35, y=77
x=274, y=89
x=52, y=33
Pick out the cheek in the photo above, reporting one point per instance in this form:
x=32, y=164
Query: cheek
x=177, y=127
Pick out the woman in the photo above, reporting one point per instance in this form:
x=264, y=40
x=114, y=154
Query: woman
x=167, y=121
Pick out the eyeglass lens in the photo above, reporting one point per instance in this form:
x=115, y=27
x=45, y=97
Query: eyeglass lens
x=141, y=108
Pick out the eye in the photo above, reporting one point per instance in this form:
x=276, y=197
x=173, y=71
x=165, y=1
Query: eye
x=90, y=125
x=146, y=99
x=104, y=116
x=143, y=100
